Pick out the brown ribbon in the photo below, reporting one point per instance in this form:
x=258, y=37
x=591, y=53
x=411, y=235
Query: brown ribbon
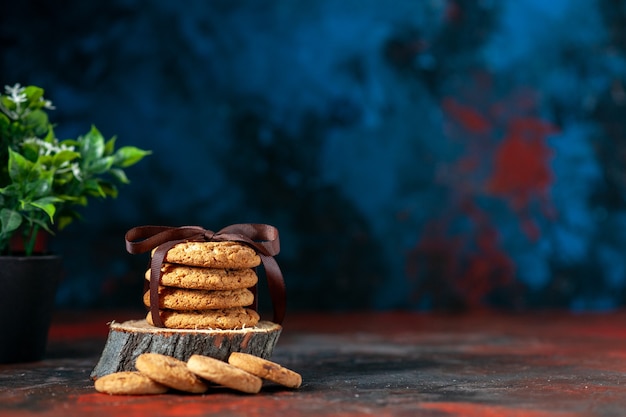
x=262, y=238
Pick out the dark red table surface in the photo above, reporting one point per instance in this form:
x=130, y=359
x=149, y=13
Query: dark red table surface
x=364, y=364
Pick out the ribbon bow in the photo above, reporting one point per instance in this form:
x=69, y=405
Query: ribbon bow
x=260, y=237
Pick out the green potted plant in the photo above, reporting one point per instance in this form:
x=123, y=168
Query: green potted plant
x=43, y=181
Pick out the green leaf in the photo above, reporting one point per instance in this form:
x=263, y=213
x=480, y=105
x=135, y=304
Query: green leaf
x=30, y=151
x=109, y=147
x=43, y=224
x=92, y=187
x=19, y=167
x=119, y=175
x=108, y=189
x=4, y=121
x=73, y=199
x=46, y=204
x=100, y=166
x=7, y=103
x=9, y=191
x=63, y=157
x=91, y=145
x=70, y=142
x=38, y=188
x=38, y=171
x=64, y=221
x=10, y=220
x=50, y=135
x=129, y=155
x=36, y=122
x=33, y=93
x=63, y=179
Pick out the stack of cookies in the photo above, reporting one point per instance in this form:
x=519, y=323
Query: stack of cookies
x=207, y=285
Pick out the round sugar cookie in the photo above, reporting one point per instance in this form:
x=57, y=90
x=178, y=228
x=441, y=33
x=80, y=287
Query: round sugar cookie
x=223, y=255
x=265, y=369
x=181, y=299
x=199, y=278
x=169, y=371
x=225, y=319
x=128, y=383
x=221, y=373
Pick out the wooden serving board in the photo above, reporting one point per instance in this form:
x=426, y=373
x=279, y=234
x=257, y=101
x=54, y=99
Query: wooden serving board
x=128, y=340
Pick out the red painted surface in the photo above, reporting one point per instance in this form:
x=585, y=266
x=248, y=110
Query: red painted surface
x=482, y=410
x=77, y=331
x=369, y=364
x=74, y=325
x=459, y=260
x=521, y=165
x=470, y=261
x=469, y=118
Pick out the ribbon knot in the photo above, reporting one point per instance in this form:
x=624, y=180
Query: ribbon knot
x=262, y=238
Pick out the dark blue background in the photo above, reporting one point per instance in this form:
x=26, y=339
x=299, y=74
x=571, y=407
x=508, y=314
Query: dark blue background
x=440, y=154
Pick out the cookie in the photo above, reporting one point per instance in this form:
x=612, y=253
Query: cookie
x=199, y=278
x=231, y=318
x=169, y=371
x=221, y=373
x=265, y=369
x=224, y=255
x=180, y=299
x=128, y=383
